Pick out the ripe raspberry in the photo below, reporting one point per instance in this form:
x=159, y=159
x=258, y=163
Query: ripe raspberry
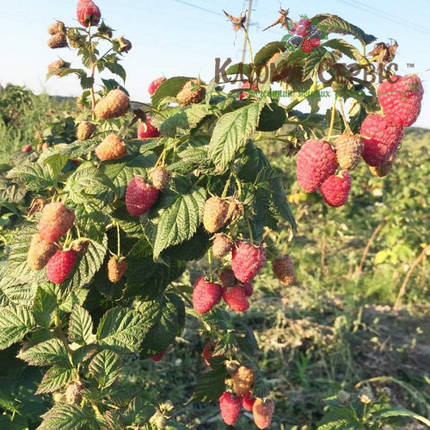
x=243, y=380
x=113, y=105
x=262, y=412
x=139, y=197
x=88, y=13
x=236, y=299
x=56, y=27
x=111, y=148
x=247, y=260
x=58, y=40
x=315, y=42
x=205, y=295
x=246, y=85
x=227, y=278
x=248, y=401
x=160, y=178
x=159, y=356
x=116, y=269
x=248, y=288
x=307, y=46
x=192, y=92
x=335, y=189
x=381, y=139
x=283, y=269
x=221, y=246
x=73, y=394
x=39, y=252
x=385, y=168
x=60, y=266
x=147, y=131
x=400, y=98
x=215, y=214
x=27, y=148
x=349, y=148
x=85, y=130
x=316, y=161
x=230, y=407
x=153, y=86
x=55, y=221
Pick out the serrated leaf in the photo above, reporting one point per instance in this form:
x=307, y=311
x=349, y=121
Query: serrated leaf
x=105, y=367
x=211, y=384
x=34, y=177
x=45, y=353
x=346, y=49
x=55, y=378
x=169, y=88
x=163, y=320
x=401, y=412
x=67, y=417
x=121, y=328
x=267, y=51
x=15, y=323
x=318, y=60
x=45, y=302
x=80, y=326
x=272, y=118
x=231, y=133
x=180, y=220
x=184, y=120
x=280, y=202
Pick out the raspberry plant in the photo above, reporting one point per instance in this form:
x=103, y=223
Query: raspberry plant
x=146, y=208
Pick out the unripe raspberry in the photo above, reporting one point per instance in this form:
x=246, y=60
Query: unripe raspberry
x=316, y=161
x=60, y=265
x=230, y=407
x=263, y=412
x=335, y=189
x=192, y=92
x=153, y=86
x=215, y=214
x=55, y=221
x=88, y=13
x=85, y=130
x=112, y=148
x=349, y=148
x=283, y=268
x=73, y=394
x=236, y=299
x=55, y=67
x=116, y=269
x=205, y=295
x=147, y=131
x=58, y=40
x=400, y=98
x=113, y=105
x=139, y=197
x=381, y=138
x=39, y=252
x=221, y=246
x=56, y=27
x=160, y=178
x=243, y=380
x=247, y=260
x=123, y=44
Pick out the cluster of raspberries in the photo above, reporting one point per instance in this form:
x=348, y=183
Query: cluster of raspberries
x=309, y=32
x=378, y=142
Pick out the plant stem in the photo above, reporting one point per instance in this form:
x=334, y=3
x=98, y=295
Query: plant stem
x=333, y=115
x=227, y=185
x=118, y=239
x=210, y=265
x=342, y=111
x=251, y=236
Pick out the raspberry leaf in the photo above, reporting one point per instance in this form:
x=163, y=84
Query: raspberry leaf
x=211, y=384
x=55, y=378
x=45, y=353
x=68, y=417
x=168, y=88
x=80, y=326
x=15, y=323
x=105, y=367
x=45, y=302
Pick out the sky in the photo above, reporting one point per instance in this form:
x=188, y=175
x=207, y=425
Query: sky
x=183, y=37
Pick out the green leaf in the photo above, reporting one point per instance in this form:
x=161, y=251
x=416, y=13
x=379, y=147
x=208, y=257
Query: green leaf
x=105, y=367
x=45, y=302
x=163, y=320
x=318, y=60
x=340, y=419
x=180, y=220
x=121, y=328
x=184, y=120
x=212, y=383
x=272, y=118
x=267, y=51
x=45, y=353
x=68, y=417
x=280, y=202
x=117, y=69
x=401, y=412
x=15, y=323
x=55, y=378
x=238, y=69
x=231, y=133
x=168, y=88
x=34, y=177
x=346, y=48
x=80, y=326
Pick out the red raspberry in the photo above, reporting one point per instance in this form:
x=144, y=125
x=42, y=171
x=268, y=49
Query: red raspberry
x=205, y=295
x=307, y=46
x=262, y=412
x=316, y=161
x=153, y=86
x=236, y=299
x=315, y=42
x=227, y=278
x=230, y=407
x=246, y=85
x=27, y=148
x=248, y=401
x=147, y=131
x=60, y=265
x=88, y=13
x=248, y=288
x=381, y=138
x=139, y=197
x=158, y=356
x=247, y=260
x=335, y=189
x=55, y=221
x=400, y=98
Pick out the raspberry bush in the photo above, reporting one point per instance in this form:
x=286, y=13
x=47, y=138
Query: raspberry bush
x=92, y=276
